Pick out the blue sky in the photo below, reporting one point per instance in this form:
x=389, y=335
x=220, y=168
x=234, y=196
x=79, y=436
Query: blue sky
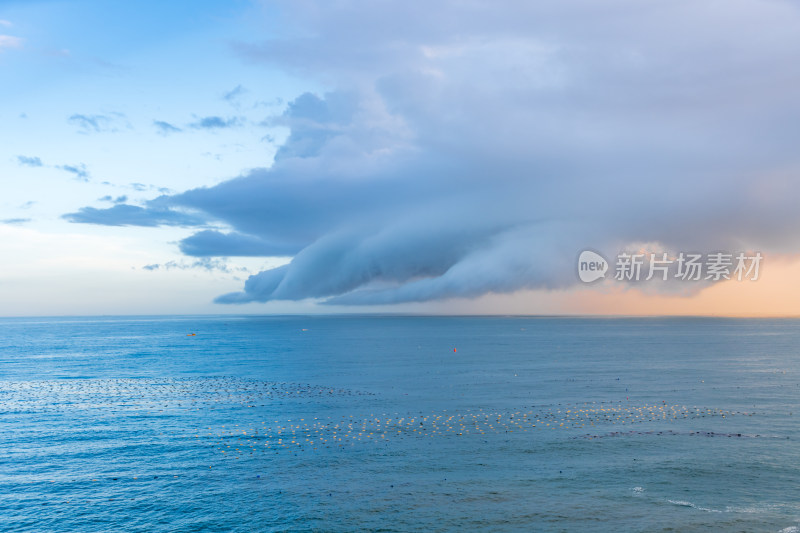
x=178, y=157
x=110, y=102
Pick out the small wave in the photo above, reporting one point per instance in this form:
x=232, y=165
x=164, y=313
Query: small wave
x=752, y=509
x=790, y=529
x=760, y=508
x=683, y=503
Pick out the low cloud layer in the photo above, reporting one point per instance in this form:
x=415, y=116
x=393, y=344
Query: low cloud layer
x=474, y=149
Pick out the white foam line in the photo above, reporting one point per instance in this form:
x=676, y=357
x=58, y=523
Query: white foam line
x=683, y=503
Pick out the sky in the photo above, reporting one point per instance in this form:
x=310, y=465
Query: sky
x=388, y=156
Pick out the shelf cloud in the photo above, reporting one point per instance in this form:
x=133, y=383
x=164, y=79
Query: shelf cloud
x=466, y=149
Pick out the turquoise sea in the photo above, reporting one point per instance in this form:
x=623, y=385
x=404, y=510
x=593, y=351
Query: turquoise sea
x=390, y=423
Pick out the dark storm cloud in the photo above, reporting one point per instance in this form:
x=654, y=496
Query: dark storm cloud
x=476, y=148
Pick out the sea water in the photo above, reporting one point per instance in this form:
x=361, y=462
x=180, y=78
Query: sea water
x=390, y=423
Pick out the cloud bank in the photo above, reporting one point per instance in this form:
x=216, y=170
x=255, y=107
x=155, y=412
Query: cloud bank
x=466, y=149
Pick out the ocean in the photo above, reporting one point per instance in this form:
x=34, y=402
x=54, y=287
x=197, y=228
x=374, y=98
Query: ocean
x=399, y=423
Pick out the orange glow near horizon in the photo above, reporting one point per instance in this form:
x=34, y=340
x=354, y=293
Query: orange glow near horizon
x=775, y=294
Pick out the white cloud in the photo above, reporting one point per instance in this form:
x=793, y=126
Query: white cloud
x=7, y=41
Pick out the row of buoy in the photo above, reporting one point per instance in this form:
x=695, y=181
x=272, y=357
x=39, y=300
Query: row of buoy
x=332, y=432
x=149, y=393
x=669, y=433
